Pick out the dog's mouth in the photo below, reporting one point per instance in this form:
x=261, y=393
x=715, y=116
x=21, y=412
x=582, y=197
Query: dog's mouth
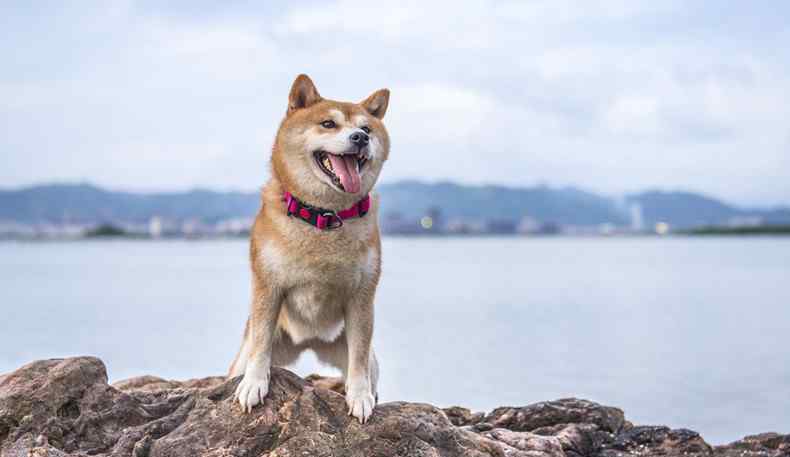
x=344, y=170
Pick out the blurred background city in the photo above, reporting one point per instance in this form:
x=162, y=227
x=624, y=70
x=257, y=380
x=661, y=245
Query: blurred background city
x=408, y=208
x=582, y=199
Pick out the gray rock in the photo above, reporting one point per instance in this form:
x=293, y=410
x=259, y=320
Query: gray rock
x=765, y=444
x=550, y=413
x=462, y=416
x=65, y=407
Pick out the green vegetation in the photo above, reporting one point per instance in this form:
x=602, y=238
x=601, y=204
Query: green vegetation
x=105, y=230
x=755, y=230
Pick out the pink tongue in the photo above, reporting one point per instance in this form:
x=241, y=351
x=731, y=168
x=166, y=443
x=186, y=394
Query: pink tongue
x=345, y=167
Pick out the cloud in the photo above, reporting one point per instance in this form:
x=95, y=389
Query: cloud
x=436, y=113
x=612, y=95
x=633, y=115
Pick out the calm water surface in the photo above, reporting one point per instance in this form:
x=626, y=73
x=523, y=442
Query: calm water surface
x=684, y=332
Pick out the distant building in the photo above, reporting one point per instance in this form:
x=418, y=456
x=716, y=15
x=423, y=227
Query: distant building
x=501, y=226
x=550, y=228
x=606, y=229
x=16, y=229
x=433, y=220
x=745, y=221
x=155, y=227
x=235, y=226
x=637, y=220
x=396, y=224
x=528, y=225
x=464, y=227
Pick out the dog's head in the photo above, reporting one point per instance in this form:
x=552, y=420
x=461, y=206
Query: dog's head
x=330, y=153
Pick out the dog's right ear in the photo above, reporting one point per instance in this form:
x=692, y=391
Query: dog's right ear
x=303, y=94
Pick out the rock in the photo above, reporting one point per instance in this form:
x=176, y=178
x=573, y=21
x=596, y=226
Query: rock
x=65, y=407
x=152, y=383
x=550, y=413
x=766, y=444
x=463, y=417
x=654, y=440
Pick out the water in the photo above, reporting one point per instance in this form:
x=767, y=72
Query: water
x=684, y=332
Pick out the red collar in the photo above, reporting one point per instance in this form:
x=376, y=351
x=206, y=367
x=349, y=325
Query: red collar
x=324, y=219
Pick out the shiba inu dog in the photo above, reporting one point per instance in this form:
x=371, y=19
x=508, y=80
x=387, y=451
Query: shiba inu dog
x=315, y=250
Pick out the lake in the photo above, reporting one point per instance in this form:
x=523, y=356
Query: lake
x=687, y=332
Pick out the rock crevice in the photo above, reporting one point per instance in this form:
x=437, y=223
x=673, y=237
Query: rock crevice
x=65, y=407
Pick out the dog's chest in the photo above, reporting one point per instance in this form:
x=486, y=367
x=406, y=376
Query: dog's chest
x=316, y=288
x=312, y=312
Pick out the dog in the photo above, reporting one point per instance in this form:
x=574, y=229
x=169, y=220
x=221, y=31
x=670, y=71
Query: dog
x=315, y=248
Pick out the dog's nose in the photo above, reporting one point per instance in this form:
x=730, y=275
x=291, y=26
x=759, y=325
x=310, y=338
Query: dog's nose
x=360, y=139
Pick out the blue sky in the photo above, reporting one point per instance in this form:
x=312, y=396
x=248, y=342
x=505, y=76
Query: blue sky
x=611, y=95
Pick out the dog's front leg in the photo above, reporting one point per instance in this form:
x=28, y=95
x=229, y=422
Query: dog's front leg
x=359, y=336
x=263, y=321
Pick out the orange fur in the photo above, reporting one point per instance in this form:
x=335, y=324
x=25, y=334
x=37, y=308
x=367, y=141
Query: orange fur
x=314, y=289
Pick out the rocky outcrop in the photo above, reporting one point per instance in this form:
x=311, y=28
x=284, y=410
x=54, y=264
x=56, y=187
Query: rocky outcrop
x=65, y=407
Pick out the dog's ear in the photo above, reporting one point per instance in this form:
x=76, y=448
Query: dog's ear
x=377, y=103
x=303, y=94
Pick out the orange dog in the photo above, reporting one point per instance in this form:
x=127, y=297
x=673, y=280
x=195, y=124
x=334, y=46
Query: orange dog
x=315, y=249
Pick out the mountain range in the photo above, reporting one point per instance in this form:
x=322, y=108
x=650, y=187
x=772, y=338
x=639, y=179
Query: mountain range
x=85, y=203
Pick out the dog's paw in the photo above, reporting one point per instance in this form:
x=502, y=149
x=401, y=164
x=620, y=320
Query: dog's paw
x=251, y=391
x=360, y=402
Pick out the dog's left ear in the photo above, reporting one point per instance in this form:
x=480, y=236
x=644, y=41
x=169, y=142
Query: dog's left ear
x=303, y=94
x=377, y=103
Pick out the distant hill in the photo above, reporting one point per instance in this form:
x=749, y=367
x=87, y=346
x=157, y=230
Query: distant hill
x=686, y=209
x=567, y=206
x=85, y=203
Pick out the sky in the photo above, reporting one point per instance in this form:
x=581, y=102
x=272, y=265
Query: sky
x=613, y=96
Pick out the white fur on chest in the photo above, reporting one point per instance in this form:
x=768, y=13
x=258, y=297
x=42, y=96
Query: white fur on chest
x=312, y=316
x=316, y=297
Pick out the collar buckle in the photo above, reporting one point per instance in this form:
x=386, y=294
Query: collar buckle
x=335, y=222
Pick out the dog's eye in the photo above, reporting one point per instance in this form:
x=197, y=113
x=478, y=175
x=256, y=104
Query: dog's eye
x=328, y=124
x=365, y=129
